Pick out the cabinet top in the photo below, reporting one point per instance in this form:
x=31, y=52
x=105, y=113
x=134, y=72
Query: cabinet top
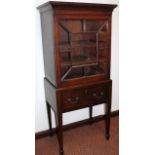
x=75, y=5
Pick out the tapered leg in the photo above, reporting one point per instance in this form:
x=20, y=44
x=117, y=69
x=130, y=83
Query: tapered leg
x=108, y=114
x=49, y=117
x=90, y=113
x=60, y=132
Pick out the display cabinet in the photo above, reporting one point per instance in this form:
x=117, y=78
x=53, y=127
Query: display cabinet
x=77, y=51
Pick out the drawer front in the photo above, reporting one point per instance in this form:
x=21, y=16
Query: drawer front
x=97, y=94
x=84, y=96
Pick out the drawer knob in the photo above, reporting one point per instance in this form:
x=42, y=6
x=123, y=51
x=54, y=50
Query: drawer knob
x=94, y=94
x=73, y=100
x=69, y=99
x=101, y=93
x=98, y=95
x=77, y=98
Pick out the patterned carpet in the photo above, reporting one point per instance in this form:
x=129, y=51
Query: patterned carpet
x=85, y=140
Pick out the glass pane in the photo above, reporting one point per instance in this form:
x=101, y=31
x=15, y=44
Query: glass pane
x=83, y=46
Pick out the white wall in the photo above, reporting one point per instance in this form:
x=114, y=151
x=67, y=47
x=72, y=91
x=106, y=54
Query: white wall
x=41, y=122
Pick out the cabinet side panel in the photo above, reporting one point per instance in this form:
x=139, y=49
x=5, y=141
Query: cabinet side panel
x=50, y=94
x=48, y=45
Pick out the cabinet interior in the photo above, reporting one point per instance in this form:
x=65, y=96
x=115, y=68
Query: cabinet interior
x=83, y=47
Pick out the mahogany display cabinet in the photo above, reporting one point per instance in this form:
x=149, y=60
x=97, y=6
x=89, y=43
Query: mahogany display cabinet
x=77, y=52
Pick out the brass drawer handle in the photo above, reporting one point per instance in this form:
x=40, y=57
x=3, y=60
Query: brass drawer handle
x=94, y=94
x=101, y=94
x=73, y=101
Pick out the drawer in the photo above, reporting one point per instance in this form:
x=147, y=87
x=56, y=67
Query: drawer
x=73, y=99
x=77, y=98
x=97, y=94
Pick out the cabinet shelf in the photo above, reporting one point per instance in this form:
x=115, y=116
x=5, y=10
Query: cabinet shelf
x=66, y=48
x=78, y=63
x=83, y=71
x=80, y=44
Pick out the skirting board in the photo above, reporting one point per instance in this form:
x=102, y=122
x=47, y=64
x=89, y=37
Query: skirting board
x=45, y=133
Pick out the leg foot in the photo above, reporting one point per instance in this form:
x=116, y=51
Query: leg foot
x=51, y=133
x=107, y=136
x=61, y=152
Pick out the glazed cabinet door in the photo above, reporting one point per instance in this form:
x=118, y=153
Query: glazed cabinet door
x=83, y=49
x=83, y=45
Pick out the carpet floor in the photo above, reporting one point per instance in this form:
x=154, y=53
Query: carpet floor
x=85, y=140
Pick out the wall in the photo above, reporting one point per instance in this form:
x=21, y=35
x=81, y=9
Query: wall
x=41, y=122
